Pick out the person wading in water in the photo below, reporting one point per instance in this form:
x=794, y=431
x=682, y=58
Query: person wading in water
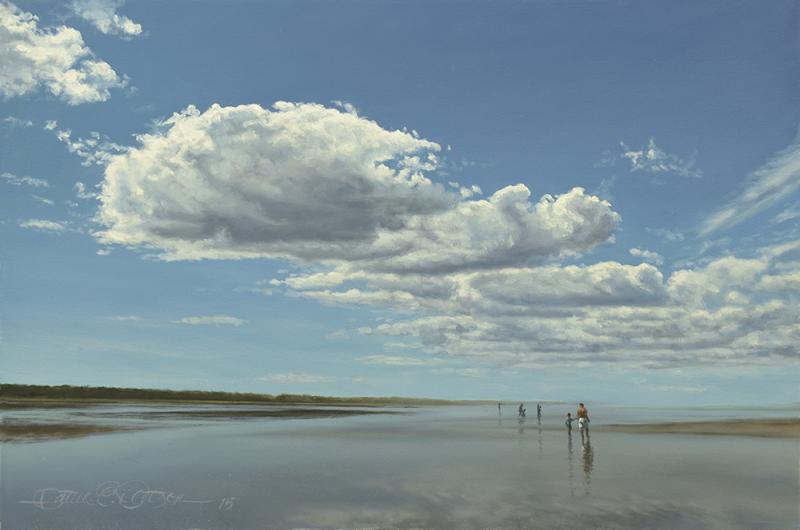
x=583, y=420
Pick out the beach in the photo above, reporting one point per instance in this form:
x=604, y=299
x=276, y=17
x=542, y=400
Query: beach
x=163, y=466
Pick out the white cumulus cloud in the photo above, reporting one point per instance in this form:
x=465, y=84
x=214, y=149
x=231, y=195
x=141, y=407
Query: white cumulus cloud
x=310, y=183
x=55, y=59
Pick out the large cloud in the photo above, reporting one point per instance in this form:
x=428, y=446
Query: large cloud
x=481, y=279
x=55, y=59
x=306, y=182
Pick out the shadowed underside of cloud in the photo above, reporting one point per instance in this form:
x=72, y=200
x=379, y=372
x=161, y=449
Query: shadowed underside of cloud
x=55, y=59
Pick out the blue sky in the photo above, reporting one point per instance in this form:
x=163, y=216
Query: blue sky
x=168, y=222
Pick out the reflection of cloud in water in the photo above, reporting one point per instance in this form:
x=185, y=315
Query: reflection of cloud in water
x=444, y=511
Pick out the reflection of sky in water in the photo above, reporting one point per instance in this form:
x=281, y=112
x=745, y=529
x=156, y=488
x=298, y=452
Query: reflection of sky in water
x=461, y=467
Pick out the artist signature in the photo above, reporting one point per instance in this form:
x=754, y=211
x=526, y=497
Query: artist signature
x=130, y=495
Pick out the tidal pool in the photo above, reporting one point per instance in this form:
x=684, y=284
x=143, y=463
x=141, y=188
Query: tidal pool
x=191, y=467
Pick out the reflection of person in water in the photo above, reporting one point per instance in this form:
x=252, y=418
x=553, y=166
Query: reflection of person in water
x=588, y=461
x=571, y=473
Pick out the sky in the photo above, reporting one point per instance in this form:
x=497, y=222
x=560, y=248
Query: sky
x=539, y=200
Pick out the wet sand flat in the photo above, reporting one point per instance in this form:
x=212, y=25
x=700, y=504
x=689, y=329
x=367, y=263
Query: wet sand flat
x=766, y=428
x=27, y=431
x=32, y=432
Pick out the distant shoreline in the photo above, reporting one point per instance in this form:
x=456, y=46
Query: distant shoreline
x=764, y=428
x=30, y=396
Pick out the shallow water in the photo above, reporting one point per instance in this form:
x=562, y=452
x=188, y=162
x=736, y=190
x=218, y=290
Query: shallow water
x=433, y=467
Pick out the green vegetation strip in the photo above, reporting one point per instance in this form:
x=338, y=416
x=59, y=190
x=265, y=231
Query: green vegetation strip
x=21, y=396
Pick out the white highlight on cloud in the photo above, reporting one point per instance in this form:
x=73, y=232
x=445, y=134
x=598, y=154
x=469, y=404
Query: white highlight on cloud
x=102, y=14
x=44, y=225
x=653, y=159
x=776, y=180
x=211, y=320
x=295, y=378
x=647, y=255
x=55, y=59
x=15, y=180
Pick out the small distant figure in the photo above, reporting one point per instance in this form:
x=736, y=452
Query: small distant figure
x=499, y=409
x=539, y=410
x=521, y=411
x=568, y=422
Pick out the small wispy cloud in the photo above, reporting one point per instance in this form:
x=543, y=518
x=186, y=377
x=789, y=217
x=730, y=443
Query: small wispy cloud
x=96, y=150
x=678, y=388
x=653, y=159
x=44, y=225
x=647, y=255
x=16, y=180
x=102, y=14
x=43, y=200
x=82, y=193
x=792, y=212
x=776, y=180
x=461, y=372
x=664, y=233
x=295, y=378
x=125, y=318
x=399, y=360
x=211, y=320
x=13, y=121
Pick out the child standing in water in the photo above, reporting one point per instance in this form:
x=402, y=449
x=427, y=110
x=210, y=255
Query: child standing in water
x=569, y=421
